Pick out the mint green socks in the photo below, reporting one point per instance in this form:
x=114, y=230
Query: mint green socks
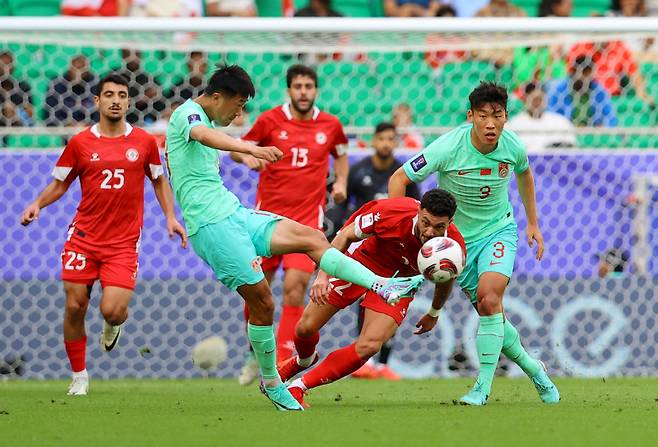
x=335, y=263
x=513, y=350
x=489, y=343
x=264, y=344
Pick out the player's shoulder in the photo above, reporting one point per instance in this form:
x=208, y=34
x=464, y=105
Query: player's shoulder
x=453, y=139
x=84, y=136
x=511, y=140
x=454, y=234
x=398, y=205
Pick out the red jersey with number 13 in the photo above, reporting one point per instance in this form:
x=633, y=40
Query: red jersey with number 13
x=111, y=172
x=296, y=185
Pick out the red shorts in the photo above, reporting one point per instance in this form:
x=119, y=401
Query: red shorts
x=114, y=267
x=297, y=261
x=343, y=294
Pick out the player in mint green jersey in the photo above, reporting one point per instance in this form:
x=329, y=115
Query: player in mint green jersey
x=231, y=238
x=474, y=162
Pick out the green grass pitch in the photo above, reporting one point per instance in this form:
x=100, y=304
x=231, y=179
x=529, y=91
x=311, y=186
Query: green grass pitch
x=219, y=413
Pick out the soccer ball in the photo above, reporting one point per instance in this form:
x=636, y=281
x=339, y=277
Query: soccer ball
x=209, y=353
x=441, y=259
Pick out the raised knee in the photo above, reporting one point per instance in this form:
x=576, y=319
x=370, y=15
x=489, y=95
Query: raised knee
x=489, y=303
x=115, y=315
x=366, y=348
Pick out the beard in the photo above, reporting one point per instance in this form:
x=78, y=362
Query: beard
x=114, y=119
x=301, y=110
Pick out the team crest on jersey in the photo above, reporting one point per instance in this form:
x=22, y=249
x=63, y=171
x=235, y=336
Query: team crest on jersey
x=283, y=135
x=95, y=157
x=255, y=265
x=320, y=138
x=132, y=154
x=503, y=169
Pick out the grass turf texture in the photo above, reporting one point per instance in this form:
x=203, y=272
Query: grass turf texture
x=213, y=412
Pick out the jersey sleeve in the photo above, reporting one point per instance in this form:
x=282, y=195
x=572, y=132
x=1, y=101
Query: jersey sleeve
x=374, y=218
x=521, y=163
x=188, y=120
x=67, y=169
x=431, y=160
x=258, y=132
x=339, y=147
x=153, y=168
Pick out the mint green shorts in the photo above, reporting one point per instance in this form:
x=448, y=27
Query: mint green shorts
x=494, y=253
x=233, y=246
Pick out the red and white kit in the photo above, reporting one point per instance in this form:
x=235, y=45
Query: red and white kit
x=103, y=239
x=389, y=246
x=296, y=186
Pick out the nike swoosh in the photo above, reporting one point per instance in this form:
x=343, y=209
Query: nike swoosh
x=114, y=342
x=495, y=263
x=462, y=172
x=269, y=352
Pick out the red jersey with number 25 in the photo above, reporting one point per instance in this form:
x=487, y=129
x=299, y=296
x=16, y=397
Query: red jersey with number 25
x=111, y=172
x=295, y=186
x=390, y=245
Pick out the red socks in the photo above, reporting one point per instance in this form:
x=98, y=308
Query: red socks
x=305, y=347
x=285, y=334
x=337, y=365
x=76, y=350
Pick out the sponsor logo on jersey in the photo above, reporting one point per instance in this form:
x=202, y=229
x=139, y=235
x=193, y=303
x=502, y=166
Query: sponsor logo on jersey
x=195, y=117
x=320, y=138
x=503, y=169
x=132, y=154
x=95, y=157
x=283, y=135
x=418, y=163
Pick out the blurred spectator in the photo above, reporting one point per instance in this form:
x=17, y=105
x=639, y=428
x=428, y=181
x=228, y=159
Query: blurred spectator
x=466, y=8
x=144, y=90
x=446, y=11
x=167, y=8
x=613, y=263
x=368, y=179
x=581, y=98
x=411, y=8
x=95, y=7
x=555, y=8
x=318, y=8
x=230, y=8
x=501, y=8
x=615, y=67
x=194, y=83
x=404, y=121
x=70, y=97
x=628, y=8
x=538, y=128
x=15, y=95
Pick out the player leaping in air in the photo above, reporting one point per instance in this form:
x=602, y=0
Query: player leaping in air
x=229, y=237
x=474, y=162
x=386, y=236
x=111, y=159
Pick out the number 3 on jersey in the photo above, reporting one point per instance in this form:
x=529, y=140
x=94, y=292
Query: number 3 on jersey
x=109, y=175
x=299, y=156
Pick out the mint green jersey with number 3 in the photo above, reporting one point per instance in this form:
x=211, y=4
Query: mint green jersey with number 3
x=479, y=182
x=194, y=171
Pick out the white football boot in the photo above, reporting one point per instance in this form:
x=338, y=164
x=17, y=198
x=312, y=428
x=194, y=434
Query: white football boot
x=110, y=336
x=80, y=384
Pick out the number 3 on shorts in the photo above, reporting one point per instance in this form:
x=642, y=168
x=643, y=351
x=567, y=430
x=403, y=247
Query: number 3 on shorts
x=74, y=261
x=499, y=250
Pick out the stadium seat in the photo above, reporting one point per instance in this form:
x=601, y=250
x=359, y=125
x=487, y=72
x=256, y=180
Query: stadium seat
x=358, y=8
x=34, y=141
x=33, y=7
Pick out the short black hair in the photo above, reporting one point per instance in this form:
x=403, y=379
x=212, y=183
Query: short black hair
x=115, y=78
x=439, y=202
x=230, y=80
x=488, y=93
x=384, y=126
x=300, y=70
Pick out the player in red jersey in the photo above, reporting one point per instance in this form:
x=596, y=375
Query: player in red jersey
x=111, y=159
x=384, y=235
x=295, y=187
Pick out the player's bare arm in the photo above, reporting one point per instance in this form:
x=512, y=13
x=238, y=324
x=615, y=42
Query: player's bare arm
x=221, y=141
x=166, y=200
x=50, y=194
x=320, y=287
x=526, y=185
x=429, y=320
x=342, y=170
x=397, y=184
x=253, y=163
